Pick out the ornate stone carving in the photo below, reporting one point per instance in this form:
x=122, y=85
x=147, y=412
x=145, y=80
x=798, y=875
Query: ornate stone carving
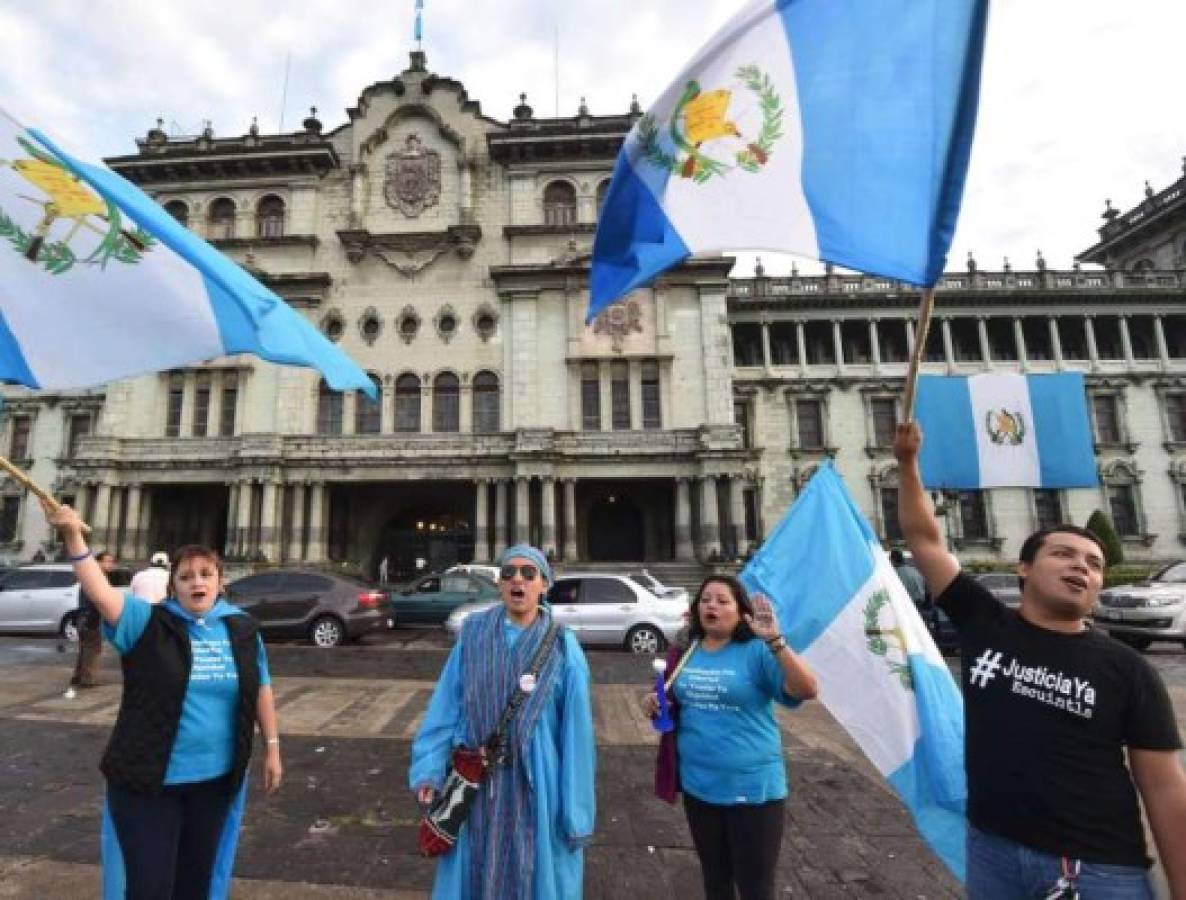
x=409, y=324
x=413, y=180
x=446, y=323
x=618, y=321
x=370, y=325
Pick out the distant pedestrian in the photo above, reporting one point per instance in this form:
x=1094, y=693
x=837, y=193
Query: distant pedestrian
x=1053, y=708
x=90, y=634
x=911, y=579
x=729, y=759
x=152, y=584
x=195, y=687
x=533, y=814
x=384, y=563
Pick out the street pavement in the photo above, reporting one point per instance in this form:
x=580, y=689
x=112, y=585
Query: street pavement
x=344, y=824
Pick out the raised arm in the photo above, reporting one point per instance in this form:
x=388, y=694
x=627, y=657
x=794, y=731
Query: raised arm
x=108, y=601
x=915, y=516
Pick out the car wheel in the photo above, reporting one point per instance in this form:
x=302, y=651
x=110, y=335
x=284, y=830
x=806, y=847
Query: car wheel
x=69, y=627
x=1135, y=641
x=327, y=632
x=645, y=639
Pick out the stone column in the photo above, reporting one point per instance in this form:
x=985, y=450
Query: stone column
x=985, y=346
x=1093, y=352
x=132, y=524
x=269, y=539
x=101, y=515
x=1019, y=341
x=547, y=506
x=144, y=523
x=296, y=534
x=874, y=345
x=948, y=348
x=386, y=408
x=838, y=343
x=212, y=407
x=737, y=514
x=481, y=534
x=349, y=411
x=710, y=531
x=115, y=533
x=683, y=521
x=570, y=520
x=1055, y=343
x=910, y=338
x=1163, y=348
x=317, y=509
x=634, y=391
x=767, y=356
x=245, y=545
x=1126, y=341
x=188, y=391
x=522, y=510
x=231, y=547
x=801, y=346
x=500, y=516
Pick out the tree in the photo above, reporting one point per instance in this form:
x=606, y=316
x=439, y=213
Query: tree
x=1101, y=526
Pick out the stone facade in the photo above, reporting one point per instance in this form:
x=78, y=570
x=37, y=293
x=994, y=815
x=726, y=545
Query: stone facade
x=447, y=253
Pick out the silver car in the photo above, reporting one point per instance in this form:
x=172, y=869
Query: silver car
x=40, y=600
x=604, y=610
x=1005, y=586
x=1148, y=611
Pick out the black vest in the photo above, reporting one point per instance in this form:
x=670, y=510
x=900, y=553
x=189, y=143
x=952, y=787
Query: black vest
x=156, y=674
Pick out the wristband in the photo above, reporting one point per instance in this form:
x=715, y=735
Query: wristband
x=78, y=558
x=274, y=740
x=773, y=640
x=776, y=647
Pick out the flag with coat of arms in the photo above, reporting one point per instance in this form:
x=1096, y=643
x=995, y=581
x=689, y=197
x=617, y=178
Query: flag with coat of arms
x=842, y=607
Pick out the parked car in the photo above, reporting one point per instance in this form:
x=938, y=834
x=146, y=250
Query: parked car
x=298, y=603
x=40, y=599
x=604, y=610
x=656, y=587
x=1147, y=611
x=429, y=600
x=484, y=569
x=1005, y=586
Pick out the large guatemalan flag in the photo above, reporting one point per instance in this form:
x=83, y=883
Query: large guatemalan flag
x=1005, y=430
x=98, y=282
x=836, y=129
x=842, y=607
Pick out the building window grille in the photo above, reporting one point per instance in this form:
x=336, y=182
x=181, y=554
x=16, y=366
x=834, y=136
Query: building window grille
x=228, y=403
x=884, y=411
x=620, y=396
x=22, y=427
x=221, y=223
x=590, y=397
x=741, y=418
x=179, y=211
x=889, y=514
x=10, y=512
x=201, y=404
x=1047, y=508
x=329, y=410
x=1175, y=413
x=487, y=401
x=446, y=403
x=173, y=406
x=1123, y=505
x=80, y=427
x=368, y=413
x=652, y=408
x=1107, y=419
x=407, y=403
x=560, y=205
x=809, y=415
x=269, y=217
x=973, y=515
x=747, y=345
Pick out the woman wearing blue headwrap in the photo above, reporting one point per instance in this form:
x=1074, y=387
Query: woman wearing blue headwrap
x=525, y=834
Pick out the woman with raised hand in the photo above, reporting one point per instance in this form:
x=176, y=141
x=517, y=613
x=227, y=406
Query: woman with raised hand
x=533, y=812
x=195, y=683
x=729, y=758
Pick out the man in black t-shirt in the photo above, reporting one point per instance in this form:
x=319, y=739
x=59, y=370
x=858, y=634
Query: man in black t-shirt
x=1050, y=707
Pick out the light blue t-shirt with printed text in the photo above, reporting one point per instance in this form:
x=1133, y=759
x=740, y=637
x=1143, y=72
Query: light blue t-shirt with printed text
x=205, y=743
x=730, y=751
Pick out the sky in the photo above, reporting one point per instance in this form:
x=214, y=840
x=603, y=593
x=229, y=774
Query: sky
x=1080, y=99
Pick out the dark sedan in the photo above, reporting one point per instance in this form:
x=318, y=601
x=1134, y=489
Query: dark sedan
x=429, y=600
x=324, y=609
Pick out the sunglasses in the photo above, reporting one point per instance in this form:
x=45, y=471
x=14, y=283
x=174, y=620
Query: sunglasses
x=529, y=572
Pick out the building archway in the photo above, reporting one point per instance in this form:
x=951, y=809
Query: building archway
x=616, y=530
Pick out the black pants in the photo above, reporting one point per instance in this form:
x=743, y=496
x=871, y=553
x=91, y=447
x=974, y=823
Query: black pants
x=90, y=646
x=738, y=846
x=169, y=840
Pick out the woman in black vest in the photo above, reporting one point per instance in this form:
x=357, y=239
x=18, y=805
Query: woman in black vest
x=195, y=683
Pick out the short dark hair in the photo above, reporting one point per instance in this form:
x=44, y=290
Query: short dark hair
x=897, y=557
x=193, y=551
x=1033, y=543
x=742, y=632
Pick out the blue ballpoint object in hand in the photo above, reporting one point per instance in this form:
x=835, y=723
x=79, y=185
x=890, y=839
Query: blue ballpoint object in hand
x=662, y=722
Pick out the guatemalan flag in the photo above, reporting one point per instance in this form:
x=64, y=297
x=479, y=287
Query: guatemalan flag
x=98, y=282
x=843, y=609
x=835, y=129
x=1005, y=430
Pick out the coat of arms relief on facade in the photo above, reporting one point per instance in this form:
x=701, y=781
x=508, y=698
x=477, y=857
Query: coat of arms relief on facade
x=618, y=321
x=413, y=177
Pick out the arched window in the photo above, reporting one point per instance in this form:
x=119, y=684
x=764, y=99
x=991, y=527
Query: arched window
x=269, y=217
x=602, y=190
x=329, y=410
x=446, y=396
x=407, y=403
x=221, y=223
x=368, y=412
x=179, y=210
x=486, y=403
x=560, y=204
x=1143, y=265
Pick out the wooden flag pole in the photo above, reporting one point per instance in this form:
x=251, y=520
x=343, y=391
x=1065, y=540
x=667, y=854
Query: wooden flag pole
x=33, y=487
x=920, y=344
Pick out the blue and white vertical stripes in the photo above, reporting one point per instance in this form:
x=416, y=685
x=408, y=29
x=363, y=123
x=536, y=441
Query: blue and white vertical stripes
x=844, y=610
x=1005, y=430
x=98, y=283
x=836, y=129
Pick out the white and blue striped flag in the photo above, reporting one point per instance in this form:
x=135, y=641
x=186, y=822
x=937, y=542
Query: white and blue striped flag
x=842, y=607
x=98, y=283
x=1005, y=430
x=835, y=129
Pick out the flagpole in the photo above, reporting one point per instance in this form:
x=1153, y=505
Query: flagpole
x=33, y=487
x=920, y=343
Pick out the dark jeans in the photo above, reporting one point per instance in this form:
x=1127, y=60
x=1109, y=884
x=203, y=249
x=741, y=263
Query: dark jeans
x=170, y=840
x=738, y=846
x=90, y=646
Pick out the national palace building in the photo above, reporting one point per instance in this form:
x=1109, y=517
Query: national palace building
x=448, y=253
